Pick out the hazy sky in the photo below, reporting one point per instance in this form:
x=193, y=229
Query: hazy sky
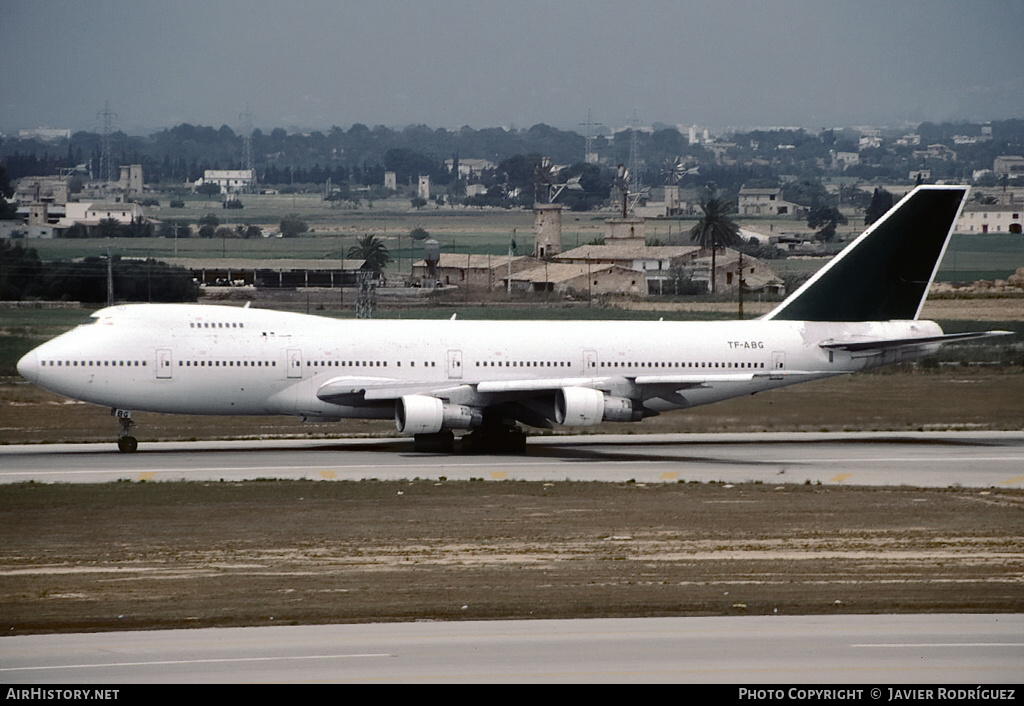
x=446, y=63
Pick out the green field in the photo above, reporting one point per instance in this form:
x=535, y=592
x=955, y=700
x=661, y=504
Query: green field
x=333, y=230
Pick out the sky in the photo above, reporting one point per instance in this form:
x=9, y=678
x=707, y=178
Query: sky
x=314, y=64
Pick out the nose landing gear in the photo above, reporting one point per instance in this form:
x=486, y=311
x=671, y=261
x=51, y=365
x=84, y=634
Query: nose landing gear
x=126, y=443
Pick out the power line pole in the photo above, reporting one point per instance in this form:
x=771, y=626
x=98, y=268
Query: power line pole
x=106, y=166
x=110, y=279
x=247, y=129
x=589, y=155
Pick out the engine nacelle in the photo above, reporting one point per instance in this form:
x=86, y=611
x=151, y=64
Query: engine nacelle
x=586, y=407
x=620, y=409
x=422, y=414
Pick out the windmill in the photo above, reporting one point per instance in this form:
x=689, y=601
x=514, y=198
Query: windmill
x=673, y=170
x=545, y=177
x=622, y=184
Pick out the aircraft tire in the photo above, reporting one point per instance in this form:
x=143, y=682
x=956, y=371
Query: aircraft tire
x=127, y=444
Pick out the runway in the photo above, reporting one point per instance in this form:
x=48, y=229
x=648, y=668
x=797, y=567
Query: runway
x=870, y=650
x=925, y=459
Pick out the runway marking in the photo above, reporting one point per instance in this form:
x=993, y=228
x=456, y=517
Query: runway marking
x=328, y=475
x=841, y=477
x=190, y=661
x=527, y=464
x=149, y=475
x=498, y=475
x=1018, y=479
x=941, y=644
x=669, y=476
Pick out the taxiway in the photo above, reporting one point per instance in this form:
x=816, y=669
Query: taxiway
x=925, y=459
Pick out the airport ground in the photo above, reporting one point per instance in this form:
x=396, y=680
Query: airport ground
x=121, y=556
x=143, y=555
x=147, y=555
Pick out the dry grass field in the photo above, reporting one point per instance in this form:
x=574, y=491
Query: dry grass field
x=170, y=555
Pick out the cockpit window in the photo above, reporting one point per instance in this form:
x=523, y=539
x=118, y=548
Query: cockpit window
x=90, y=320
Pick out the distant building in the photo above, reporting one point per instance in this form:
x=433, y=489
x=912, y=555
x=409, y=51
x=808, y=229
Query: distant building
x=469, y=168
x=131, y=179
x=547, y=230
x=90, y=214
x=658, y=266
x=423, y=190
x=996, y=218
x=478, y=272
x=764, y=202
x=845, y=160
x=45, y=189
x=44, y=134
x=230, y=181
x=1010, y=165
x=574, y=279
x=937, y=151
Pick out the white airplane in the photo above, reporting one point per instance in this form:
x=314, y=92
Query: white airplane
x=433, y=377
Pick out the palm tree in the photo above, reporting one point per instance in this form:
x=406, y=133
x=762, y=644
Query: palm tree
x=715, y=229
x=371, y=249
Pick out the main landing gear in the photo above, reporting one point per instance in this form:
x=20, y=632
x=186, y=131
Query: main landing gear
x=126, y=443
x=495, y=438
x=491, y=438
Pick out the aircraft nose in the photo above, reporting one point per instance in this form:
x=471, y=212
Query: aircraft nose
x=28, y=366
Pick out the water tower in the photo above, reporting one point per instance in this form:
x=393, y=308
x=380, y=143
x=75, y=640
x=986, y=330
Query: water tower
x=432, y=256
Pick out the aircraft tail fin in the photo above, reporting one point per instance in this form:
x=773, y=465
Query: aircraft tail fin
x=885, y=273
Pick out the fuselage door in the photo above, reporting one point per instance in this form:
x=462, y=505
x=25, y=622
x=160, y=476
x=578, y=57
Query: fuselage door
x=163, y=363
x=778, y=364
x=590, y=362
x=294, y=363
x=454, y=365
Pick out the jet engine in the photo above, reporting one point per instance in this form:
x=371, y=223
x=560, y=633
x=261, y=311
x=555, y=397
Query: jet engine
x=422, y=414
x=586, y=407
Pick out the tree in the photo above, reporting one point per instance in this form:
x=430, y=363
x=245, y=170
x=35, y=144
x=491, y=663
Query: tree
x=373, y=251
x=8, y=210
x=715, y=229
x=828, y=217
x=292, y=226
x=20, y=267
x=210, y=189
x=881, y=202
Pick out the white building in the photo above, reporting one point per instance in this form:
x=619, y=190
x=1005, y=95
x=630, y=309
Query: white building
x=996, y=218
x=230, y=181
x=764, y=202
x=468, y=168
x=90, y=214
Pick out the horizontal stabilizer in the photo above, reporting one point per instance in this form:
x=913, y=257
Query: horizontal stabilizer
x=886, y=343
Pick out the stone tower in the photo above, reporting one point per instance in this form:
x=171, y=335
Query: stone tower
x=547, y=230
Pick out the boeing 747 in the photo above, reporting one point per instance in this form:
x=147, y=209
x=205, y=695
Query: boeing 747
x=489, y=377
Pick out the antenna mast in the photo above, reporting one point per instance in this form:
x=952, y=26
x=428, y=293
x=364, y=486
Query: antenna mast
x=589, y=155
x=247, y=118
x=108, y=117
x=635, y=159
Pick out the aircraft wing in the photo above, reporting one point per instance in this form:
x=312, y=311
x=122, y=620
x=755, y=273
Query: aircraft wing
x=356, y=391
x=361, y=390
x=880, y=344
